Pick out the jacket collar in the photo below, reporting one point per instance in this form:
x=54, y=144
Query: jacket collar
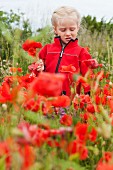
x=71, y=43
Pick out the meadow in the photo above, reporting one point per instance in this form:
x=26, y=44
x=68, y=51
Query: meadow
x=33, y=134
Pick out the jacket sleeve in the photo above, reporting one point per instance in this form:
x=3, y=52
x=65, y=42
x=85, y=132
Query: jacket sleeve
x=43, y=52
x=84, y=55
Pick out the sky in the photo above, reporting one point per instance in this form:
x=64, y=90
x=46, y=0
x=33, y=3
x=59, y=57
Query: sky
x=39, y=11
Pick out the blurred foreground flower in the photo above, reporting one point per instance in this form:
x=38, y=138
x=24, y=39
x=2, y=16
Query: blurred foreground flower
x=47, y=84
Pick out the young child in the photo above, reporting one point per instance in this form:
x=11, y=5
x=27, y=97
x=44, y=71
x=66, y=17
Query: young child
x=65, y=49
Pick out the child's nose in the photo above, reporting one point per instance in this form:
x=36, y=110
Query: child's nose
x=68, y=32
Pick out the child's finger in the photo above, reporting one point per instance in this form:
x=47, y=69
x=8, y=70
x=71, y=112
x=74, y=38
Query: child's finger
x=40, y=68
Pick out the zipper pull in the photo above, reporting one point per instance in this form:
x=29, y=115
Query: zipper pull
x=61, y=52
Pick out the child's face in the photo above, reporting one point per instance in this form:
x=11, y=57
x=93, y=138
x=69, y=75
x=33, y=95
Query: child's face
x=67, y=29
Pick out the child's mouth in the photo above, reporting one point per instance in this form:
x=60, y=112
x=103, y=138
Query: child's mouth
x=68, y=39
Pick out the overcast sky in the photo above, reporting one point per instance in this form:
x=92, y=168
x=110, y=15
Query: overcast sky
x=39, y=11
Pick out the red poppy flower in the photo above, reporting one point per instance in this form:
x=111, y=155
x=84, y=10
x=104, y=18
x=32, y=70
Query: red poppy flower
x=86, y=87
x=5, y=151
x=68, y=69
x=93, y=135
x=28, y=156
x=81, y=100
x=77, y=147
x=106, y=90
x=85, y=116
x=48, y=84
x=104, y=166
x=60, y=101
x=35, y=104
x=32, y=51
x=90, y=108
x=97, y=99
x=107, y=156
x=105, y=163
x=53, y=143
x=30, y=46
x=81, y=131
x=5, y=94
x=14, y=69
x=25, y=80
x=66, y=120
x=110, y=103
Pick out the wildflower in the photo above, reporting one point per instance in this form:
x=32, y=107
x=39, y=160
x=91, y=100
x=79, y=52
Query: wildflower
x=81, y=131
x=90, y=108
x=111, y=84
x=60, y=101
x=105, y=163
x=35, y=105
x=5, y=150
x=28, y=156
x=48, y=84
x=93, y=135
x=97, y=99
x=30, y=46
x=4, y=106
x=77, y=147
x=14, y=69
x=5, y=94
x=25, y=80
x=68, y=69
x=66, y=120
x=81, y=101
x=83, y=82
x=104, y=166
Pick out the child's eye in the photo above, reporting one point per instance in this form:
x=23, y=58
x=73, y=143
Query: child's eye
x=62, y=29
x=72, y=29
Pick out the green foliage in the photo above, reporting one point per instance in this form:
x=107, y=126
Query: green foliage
x=44, y=35
x=57, y=164
x=13, y=30
x=93, y=25
x=36, y=118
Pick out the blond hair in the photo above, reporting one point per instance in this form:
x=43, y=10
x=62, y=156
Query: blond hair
x=65, y=11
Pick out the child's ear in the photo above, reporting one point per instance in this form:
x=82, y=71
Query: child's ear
x=54, y=29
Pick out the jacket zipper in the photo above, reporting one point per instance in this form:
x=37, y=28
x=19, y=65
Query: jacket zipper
x=60, y=57
x=59, y=60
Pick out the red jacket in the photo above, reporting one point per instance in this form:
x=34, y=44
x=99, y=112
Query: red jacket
x=55, y=56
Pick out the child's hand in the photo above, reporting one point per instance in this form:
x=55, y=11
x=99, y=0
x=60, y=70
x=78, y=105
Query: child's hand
x=35, y=68
x=40, y=66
